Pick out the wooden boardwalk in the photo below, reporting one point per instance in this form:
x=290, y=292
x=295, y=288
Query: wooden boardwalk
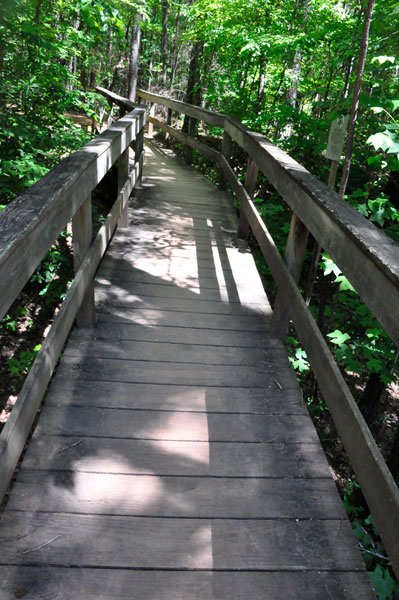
x=173, y=458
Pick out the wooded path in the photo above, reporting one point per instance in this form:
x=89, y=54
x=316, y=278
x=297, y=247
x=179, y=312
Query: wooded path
x=173, y=458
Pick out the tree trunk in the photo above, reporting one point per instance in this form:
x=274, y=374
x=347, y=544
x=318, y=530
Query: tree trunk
x=393, y=460
x=134, y=58
x=193, y=91
x=164, y=43
x=371, y=397
x=261, y=85
x=356, y=92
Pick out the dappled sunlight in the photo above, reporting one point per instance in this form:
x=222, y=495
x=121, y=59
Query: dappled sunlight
x=201, y=544
x=196, y=452
x=177, y=426
x=121, y=491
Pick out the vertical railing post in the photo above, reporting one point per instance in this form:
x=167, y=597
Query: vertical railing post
x=123, y=173
x=192, y=124
x=294, y=253
x=137, y=146
x=150, y=125
x=82, y=234
x=250, y=185
x=168, y=122
x=226, y=151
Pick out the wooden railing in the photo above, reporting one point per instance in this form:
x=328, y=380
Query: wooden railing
x=368, y=258
x=28, y=228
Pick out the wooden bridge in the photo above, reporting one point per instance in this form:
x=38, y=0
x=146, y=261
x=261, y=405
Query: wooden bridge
x=173, y=457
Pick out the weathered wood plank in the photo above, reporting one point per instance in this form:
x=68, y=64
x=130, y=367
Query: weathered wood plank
x=189, y=426
x=101, y=369
x=183, y=335
x=152, y=317
x=108, y=298
x=72, y=389
x=87, y=540
x=129, y=278
x=178, y=353
x=82, y=232
x=163, y=457
x=195, y=497
x=103, y=584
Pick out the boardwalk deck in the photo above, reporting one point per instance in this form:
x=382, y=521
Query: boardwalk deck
x=173, y=458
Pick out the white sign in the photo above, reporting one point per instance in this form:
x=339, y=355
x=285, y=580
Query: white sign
x=336, y=138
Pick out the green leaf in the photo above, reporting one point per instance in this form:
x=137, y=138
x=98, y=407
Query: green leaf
x=362, y=208
x=344, y=283
x=380, y=140
x=374, y=365
x=338, y=337
x=383, y=59
x=383, y=584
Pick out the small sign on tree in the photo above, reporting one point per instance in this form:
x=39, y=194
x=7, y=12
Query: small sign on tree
x=336, y=138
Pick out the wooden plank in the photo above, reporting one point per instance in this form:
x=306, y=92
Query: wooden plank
x=162, y=457
x=363, y=252
x=125, y=274
x=226, y=152
x=376, y=481
x=16, y=430
x=31, y=223
x=195, y=497
x=48, y=583
x=189, y=426
x=86, y=540
x=198, y=113
x=116, y=99
x=119, y=288
x=106, y=298
x=202, y=374
x=176, y=353
x=251, y=177
x=152, y=317
x=294, y=254
x=82, y=232
x=71, y=389
x=183, y=335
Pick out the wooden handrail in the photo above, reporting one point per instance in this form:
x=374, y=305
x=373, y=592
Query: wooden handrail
x=30, y=225
x=365, y=255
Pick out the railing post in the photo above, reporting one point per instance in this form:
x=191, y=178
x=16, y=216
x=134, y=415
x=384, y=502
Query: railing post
x=226, y=151
x=168, y=122
x=82, y=233
x=150, y=125
x=137, y=147
x=123, y=173
x=294, y=253
x=191, y=132
x=250, y=185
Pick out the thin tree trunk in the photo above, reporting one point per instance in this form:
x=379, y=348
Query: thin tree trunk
x=193, y=91
x=134, y=58
x=164, y=43
x=261, y=85
x=371, y=397
x=356, y=93
x=38, y=12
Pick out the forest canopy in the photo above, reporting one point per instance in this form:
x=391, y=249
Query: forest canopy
x=286, y=68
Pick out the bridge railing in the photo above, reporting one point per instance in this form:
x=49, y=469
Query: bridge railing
x=28, y=228
x=367, y=257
